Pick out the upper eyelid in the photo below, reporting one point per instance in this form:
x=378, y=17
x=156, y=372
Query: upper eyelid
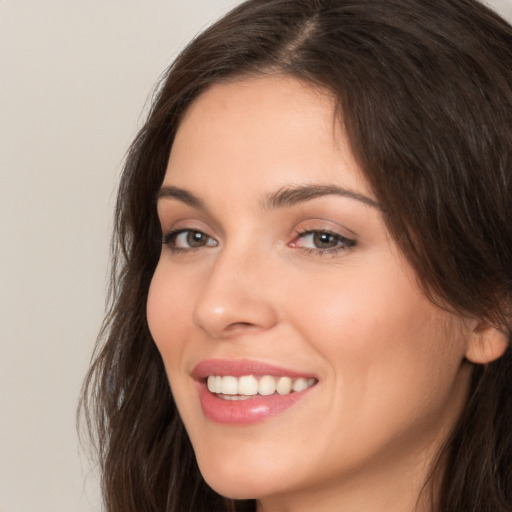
x=171, y=216
x=341, y=237
x=170, y=207
x=179, y=231
x=326, y=226
x=307, y=231
x=170, y=223
x=170, y=219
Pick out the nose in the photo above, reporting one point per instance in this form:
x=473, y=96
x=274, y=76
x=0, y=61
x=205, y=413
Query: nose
x=236, y=297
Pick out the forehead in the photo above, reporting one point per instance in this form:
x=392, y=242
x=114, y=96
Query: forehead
x=272, y=128
x=274, y=91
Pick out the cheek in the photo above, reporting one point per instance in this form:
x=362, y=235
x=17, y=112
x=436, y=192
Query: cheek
x=386, y=344
x=355, y=312
x=167, y=308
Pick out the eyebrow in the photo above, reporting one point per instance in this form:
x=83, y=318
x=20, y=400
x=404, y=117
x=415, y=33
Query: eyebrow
x=289, y=196
x=285, y=197
x=182, y=195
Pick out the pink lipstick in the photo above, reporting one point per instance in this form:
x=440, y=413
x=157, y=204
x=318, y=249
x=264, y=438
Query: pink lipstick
x=242, y=391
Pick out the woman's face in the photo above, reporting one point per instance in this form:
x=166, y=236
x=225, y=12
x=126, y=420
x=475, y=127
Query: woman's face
x=277, y=271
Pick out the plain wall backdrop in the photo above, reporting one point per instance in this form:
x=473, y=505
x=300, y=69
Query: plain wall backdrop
x=74, y=79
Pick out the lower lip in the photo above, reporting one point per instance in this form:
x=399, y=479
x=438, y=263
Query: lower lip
x=244, y=412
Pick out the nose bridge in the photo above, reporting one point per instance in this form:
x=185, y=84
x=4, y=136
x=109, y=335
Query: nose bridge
x=236, y=293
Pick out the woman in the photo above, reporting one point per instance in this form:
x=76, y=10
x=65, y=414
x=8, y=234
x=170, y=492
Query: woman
x=314, y=248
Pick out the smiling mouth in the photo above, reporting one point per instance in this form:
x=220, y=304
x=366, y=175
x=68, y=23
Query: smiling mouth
x=246, y=392
x=244, y=387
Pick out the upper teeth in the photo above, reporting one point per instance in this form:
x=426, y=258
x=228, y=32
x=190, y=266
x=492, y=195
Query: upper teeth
x=249, y=385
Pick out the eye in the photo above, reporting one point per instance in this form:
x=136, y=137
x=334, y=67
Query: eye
x=322, y=241
x=188, y=239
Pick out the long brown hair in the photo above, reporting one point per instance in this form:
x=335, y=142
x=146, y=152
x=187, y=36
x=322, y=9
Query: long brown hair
x=424, y=90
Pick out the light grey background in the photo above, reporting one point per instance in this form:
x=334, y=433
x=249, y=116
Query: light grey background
x=74, y=78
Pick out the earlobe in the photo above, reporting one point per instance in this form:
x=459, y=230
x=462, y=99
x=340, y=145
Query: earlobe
x=486, y=344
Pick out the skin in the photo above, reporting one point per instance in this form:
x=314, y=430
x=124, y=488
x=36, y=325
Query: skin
x=390, y=365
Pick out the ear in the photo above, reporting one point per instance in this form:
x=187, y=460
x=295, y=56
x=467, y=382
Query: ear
x=486, y=344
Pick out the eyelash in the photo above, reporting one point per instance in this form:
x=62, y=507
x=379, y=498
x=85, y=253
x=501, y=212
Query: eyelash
x=346, y=244
x=170, y=238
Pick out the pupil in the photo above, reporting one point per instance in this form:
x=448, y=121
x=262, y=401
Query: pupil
x=195, y=239
x=324, y=240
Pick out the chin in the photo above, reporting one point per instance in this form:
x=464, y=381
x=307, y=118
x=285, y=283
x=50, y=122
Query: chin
x=239, y=486
x=232, y=481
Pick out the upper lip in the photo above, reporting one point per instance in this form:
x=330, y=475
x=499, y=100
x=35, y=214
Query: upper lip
x=240, y=367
